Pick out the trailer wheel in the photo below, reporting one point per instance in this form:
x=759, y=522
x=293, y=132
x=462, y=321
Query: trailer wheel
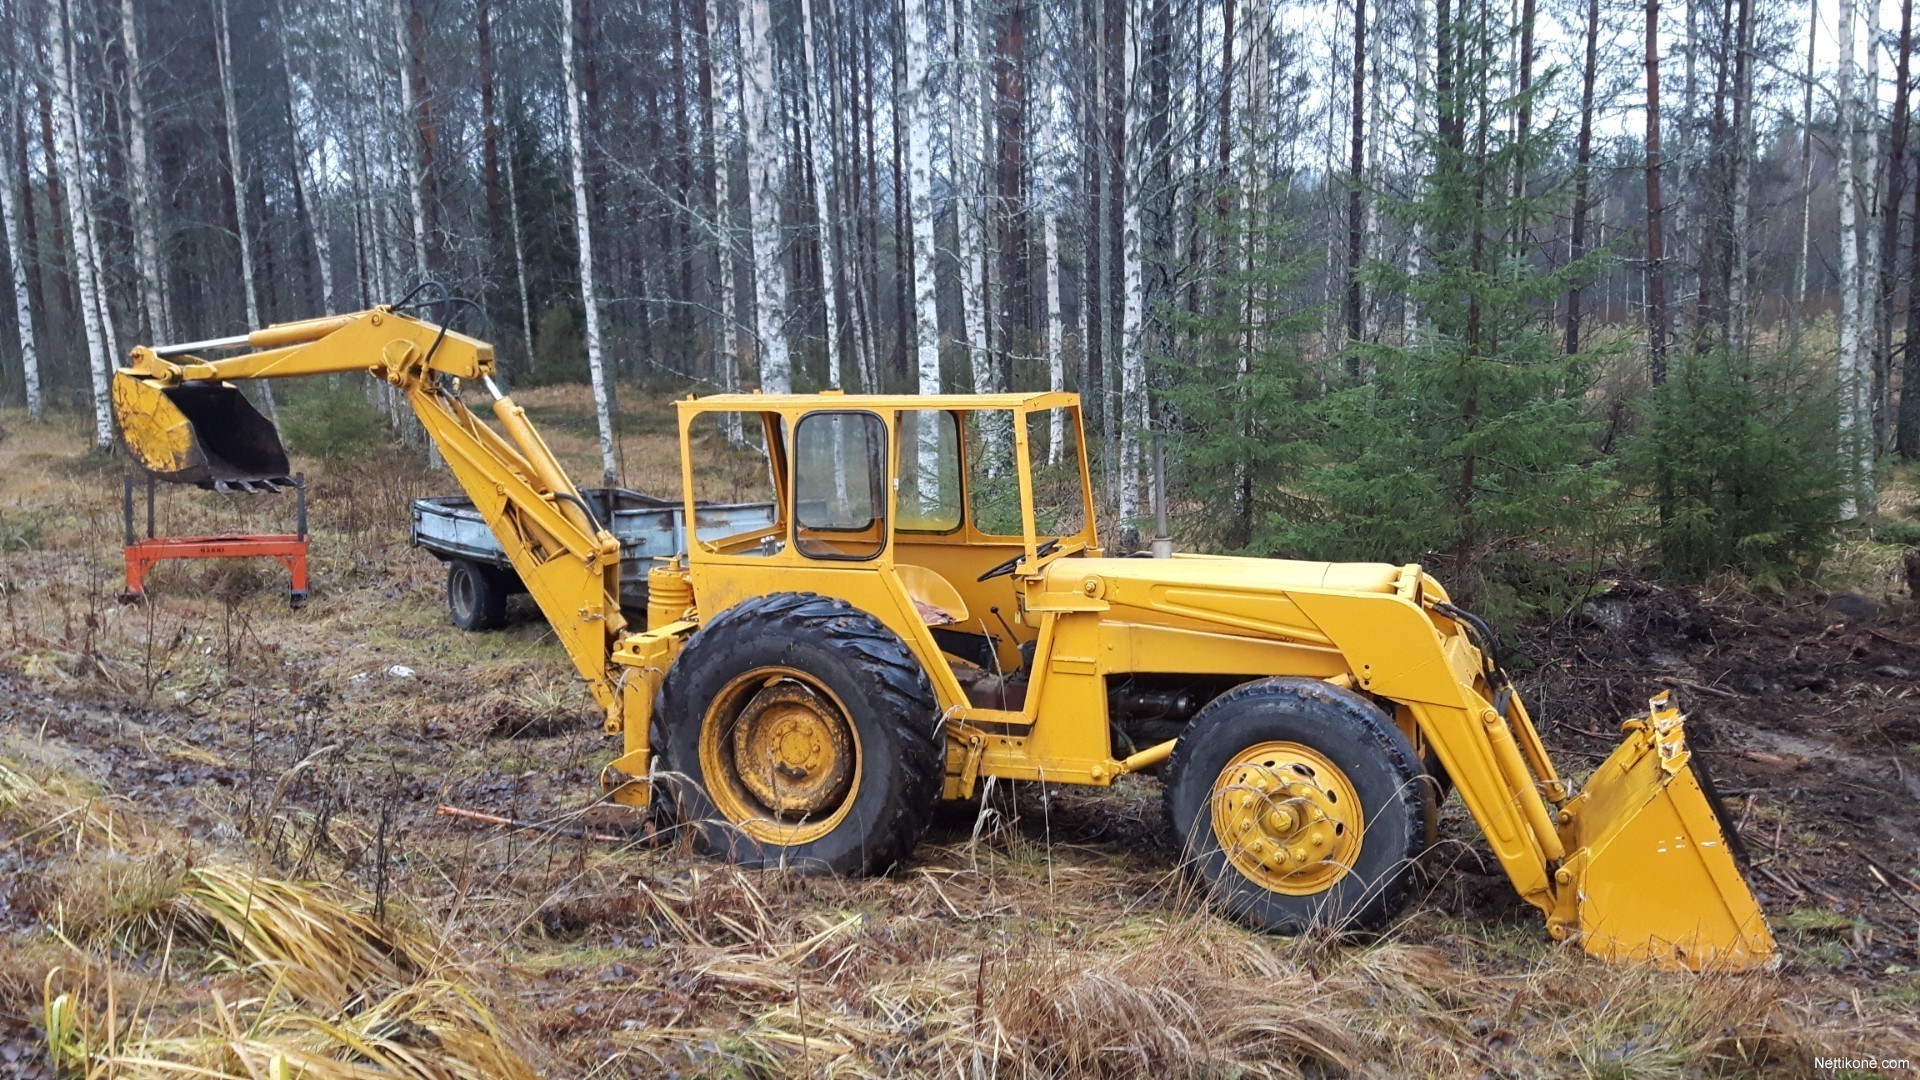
x=1298, y=804
x=476, y=595
x=797, y=730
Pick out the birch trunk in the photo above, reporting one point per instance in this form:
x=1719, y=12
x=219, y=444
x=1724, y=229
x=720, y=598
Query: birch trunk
x=1806, y=177
x=1133, y=364
x=234, y=168
x=146, y=243
x=1870, y=264
x=1738, y=321
x=821, y=157
x=719, y=117
x=519, y=247
x=17, y=258
x=964, y=173
x=761, y=129
x=1056, y=171
x=589, y=302
x=408, y=166
x=1853, y=419
x=1417, y=238
x=86, y=269
x=304, y=150
x=919, y=140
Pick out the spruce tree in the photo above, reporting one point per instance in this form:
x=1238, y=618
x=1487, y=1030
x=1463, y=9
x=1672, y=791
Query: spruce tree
x=1469, y=447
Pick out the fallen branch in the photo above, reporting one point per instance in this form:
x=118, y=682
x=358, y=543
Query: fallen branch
x=1710, y=691
x=1883, y=868
x=1874, y=869
x=531, y=826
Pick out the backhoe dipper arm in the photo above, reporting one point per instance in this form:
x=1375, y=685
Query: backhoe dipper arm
x=179, y=417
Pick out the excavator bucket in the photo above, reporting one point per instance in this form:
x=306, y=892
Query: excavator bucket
x=1654, y=862
x=204, y=433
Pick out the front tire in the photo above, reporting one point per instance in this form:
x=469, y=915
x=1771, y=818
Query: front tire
x=1297, y=804
x=797, y=730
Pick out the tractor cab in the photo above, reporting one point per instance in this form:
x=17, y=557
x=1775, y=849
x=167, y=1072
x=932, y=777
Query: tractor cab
x=933, y=512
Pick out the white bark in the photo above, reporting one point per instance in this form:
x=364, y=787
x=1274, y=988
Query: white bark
x=16, y=257
x=1806, y=168
x=1742, y=201
x=146, y=242
x=589, y=302
x=235, y=170
x=720, y=121
x=964, y=166
x=1056, y=166
x=304, y=149
x=1133, y=361
x=410, y=151
x=86, y=269
x=818, y=139
x=761, y=127
x=519, y=247
x=1855, y=423
x=1416, y=238
x=919, y=106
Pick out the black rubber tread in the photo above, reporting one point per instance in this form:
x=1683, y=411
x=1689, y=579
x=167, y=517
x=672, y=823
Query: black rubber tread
x=488, y=610
x=894, y=712
x=1356, y=736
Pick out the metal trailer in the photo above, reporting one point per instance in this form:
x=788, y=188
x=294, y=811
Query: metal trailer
x=480, y=578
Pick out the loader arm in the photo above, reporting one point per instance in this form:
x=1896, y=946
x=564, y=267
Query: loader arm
x=183, y=420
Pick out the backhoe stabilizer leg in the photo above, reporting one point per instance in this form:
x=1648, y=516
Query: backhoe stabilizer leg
x=1651, y=874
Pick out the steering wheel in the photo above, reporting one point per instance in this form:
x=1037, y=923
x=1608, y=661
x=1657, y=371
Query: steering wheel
x=1002, y=569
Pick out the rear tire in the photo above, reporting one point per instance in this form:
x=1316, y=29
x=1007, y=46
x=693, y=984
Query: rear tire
x=757, y=720
x=1324, y=799
x=476, y=595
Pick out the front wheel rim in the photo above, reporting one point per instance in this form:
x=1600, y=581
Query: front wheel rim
x=781, y=758
x=1287, y=818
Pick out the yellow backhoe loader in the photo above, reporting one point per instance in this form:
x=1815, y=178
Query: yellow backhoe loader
x=931, y=606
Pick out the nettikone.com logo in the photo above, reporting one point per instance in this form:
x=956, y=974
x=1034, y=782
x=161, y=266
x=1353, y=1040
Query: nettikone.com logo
x=1861, y=1064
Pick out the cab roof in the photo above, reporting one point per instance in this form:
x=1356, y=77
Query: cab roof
x=831, y=399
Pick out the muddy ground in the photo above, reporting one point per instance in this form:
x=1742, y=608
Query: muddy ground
x=1048, y=936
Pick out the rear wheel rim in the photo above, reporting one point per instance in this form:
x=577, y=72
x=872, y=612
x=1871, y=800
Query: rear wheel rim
x=780, y=756
x=1287, y=818
x=464, y=600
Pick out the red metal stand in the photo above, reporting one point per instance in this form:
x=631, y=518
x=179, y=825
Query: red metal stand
x=290, y=549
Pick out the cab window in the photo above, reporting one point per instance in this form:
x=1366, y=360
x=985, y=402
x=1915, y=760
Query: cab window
x=929, y=498
x=839, y=485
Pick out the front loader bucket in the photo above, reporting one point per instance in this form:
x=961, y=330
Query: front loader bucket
x=204, y=433
x=1652, y=860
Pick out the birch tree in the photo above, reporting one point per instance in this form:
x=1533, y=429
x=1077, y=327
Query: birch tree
x=919, y=140
x=17, y=258
x=583, y=235
x=67, y=148
x=1133, y=361
x=236, y=167
x=720, y=136
x=822, y=161
x=1855, y=444
x=303, y=115
x=760, y=113
x=146, y=242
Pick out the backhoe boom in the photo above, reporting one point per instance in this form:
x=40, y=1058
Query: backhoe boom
x=183, y=420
